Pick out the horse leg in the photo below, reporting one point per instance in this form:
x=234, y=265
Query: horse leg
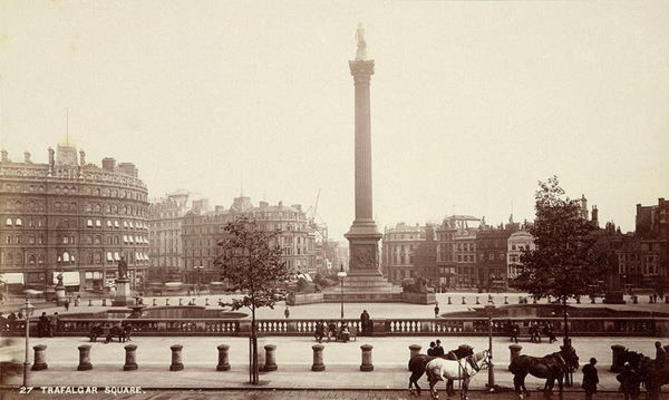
x=465, y=388
x=560, y=387
x=449, y=387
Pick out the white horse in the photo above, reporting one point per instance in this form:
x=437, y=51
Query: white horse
x=463, y=369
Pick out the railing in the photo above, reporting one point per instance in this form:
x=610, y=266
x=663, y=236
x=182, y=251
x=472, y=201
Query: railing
x=578, y=326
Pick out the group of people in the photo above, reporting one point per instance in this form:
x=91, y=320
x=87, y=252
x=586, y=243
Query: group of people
x=436, y=349
x=121, y=330
x=630, y=380
x=535, y=330
x=48, y=325
x=9, y=323
x=331, y=331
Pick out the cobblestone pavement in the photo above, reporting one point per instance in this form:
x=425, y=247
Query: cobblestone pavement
x=287, y=395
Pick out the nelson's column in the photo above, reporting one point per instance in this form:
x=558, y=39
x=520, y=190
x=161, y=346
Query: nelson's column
x=364, y=282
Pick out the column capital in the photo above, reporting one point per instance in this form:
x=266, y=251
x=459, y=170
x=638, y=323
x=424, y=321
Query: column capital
x=361, y=69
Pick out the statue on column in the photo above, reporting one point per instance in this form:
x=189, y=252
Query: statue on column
x=59, y=278
x=122, y=269
x=361, y=53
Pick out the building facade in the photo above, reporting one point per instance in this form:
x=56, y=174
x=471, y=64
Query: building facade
x=398, y=246
x=71, y=217
x=517, y=243
x=492, y=248
x=203, y=230
x=456, y=252
x=166, y=251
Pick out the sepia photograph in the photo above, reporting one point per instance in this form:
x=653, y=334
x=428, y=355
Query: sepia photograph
x=316, y=200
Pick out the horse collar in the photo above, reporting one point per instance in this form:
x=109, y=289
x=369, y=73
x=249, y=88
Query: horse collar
x=473, y=364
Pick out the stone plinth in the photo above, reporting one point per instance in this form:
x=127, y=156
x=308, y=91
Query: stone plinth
x=123, y=296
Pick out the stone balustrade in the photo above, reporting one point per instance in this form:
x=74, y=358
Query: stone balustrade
x=578, y=326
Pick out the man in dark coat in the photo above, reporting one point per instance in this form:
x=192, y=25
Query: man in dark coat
x=438, y=350
x=431, y=350
x=43, y=325
x=590, y=379
x=364, y=322
x=660, y=353
x=629, y=382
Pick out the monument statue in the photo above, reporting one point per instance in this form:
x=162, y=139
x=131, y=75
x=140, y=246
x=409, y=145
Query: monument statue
x=59, y=277
x=122, y=269
x=361, y=53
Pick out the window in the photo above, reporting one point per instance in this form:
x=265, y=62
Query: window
x=9, y=222
x=89, y=223
x=19, y=222
x=98, y=223
x=110, y=258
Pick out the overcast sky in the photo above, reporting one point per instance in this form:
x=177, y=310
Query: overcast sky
x=472, y=102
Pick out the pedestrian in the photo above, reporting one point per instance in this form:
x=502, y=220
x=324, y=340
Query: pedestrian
x=590, y=379
x=53, y=323
x=364, y=322
x=431, y=350
x=629, y=382
x=77, y=300
x=11, y=319
x=286, y=313
x=660, y=353
x=66, y=304
x=320, y=331
x=438, y=350
x=4, y=323
x=436, y=310
x=332, y=330
x=43, y=325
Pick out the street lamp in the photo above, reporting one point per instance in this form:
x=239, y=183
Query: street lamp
x=27, y=310
x=490, y=309
x=341, y=275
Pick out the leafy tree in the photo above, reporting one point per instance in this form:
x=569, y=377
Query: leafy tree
x=250, y=261
x=567, y=261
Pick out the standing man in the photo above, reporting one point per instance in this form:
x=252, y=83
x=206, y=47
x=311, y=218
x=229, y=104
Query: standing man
x=431, y=350
x=436, y=310
x=364, y=322
x=53, y=322
x=438, y=350
x=590, y=379
x=660, y=353
x=629, y=382
x=286, y=313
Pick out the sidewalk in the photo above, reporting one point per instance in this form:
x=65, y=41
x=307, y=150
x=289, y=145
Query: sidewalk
x=293, y=357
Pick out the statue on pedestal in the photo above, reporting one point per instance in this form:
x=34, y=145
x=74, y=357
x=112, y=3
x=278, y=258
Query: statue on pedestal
x=122, y=269
x=59, y=277
x=361, y=53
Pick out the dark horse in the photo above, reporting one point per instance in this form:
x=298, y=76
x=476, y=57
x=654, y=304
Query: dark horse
x=552, y=367
x=418, y=362
x=654, y=373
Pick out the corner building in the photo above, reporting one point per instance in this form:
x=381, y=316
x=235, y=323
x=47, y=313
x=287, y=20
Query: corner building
x=71, y=217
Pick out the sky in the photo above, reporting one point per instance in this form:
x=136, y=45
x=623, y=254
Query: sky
x=472, y=103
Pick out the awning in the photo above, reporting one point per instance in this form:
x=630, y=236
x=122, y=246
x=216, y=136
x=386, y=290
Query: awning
x=70, y=278
x=11, y=277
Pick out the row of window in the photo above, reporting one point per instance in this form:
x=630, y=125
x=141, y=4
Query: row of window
x=116, y=224
x=65, y=189
x=66, y=257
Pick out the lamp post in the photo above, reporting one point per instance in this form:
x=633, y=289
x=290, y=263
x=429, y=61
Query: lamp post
x=341, y=274
x=27, y=312
x=490, y=308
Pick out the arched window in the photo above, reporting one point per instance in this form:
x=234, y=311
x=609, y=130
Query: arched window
x=40, y=259
x=9, y=222
x=31, y=259
x=66, y=256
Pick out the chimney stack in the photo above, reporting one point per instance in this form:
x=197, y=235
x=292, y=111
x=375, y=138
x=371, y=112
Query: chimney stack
x=26, y=157
x=82, y=158
x=595, y=216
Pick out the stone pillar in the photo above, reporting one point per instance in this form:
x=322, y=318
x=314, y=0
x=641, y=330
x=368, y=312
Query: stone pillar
x=167, y=301
x=223, y=364
x=318, y=358
x=477, y=300
x=463, y=300
x=154, y=301
x=206, y=302
x=40, y=358
x=506, y=300
x=414, y=350
x=449, y=300
x=176, y=365
x=90, y=302
x=616, y=357
x=515, y=351
x=366, y=358
x=130, y=358
x=270, y=360
x=84, y=358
